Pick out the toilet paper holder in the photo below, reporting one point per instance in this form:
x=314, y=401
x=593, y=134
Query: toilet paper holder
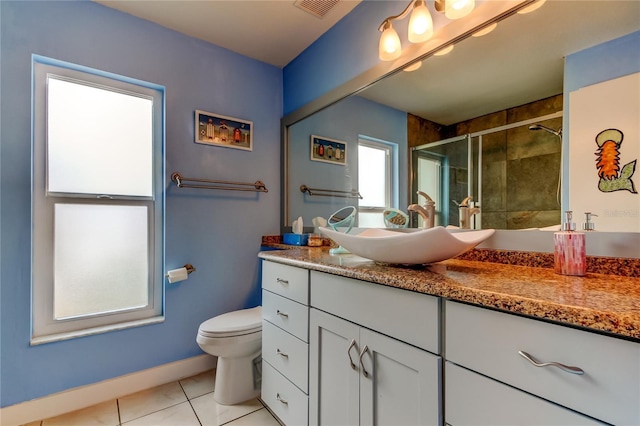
x=176, y=275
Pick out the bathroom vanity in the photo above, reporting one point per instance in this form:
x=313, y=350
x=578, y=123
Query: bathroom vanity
x=350, y=341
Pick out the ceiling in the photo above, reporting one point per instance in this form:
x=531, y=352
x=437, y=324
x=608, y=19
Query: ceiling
x=271, y=31
x=521, y=61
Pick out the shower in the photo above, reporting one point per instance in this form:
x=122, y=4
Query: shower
x=558, y=133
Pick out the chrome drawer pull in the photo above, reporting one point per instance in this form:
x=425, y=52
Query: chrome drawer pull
x=567, y=368
x=279, y=352
x=282, y=314
x=284, y=401
x=281, y=281
x=365, y=373
x=352, y=344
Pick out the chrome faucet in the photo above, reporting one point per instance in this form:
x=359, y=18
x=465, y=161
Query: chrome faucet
x=427, y=211
x=465, y=212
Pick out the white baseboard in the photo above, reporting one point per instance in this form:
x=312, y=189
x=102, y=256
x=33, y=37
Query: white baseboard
x=95, y=393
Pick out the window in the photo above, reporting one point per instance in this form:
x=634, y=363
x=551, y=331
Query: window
x=432, y=173
x=375, y=182
x=97, y=201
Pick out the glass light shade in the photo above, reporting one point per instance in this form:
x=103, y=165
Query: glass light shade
x=456, y=9
x=420, y=24
x=389, y=48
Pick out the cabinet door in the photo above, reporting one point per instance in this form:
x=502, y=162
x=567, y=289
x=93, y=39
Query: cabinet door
x=333, y=381
x=401, y=385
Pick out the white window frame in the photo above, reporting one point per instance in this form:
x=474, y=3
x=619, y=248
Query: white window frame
x=44, y=327
x=389, y=171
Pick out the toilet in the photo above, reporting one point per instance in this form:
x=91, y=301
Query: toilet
x=236, y=339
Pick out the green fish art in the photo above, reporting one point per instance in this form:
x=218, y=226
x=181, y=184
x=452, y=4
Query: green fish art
x=612, y=177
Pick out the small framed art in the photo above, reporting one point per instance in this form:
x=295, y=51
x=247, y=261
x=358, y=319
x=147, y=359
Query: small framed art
x=220, y=130
x=328, y=150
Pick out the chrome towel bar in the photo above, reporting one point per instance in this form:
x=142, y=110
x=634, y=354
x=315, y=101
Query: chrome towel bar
x=330, y=192
x=257, y=186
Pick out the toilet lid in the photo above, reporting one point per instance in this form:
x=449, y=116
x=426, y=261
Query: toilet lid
x=234, y=323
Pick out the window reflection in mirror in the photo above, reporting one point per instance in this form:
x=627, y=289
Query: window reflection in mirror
x=375, y=182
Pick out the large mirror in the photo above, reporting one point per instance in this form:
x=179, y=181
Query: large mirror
x=484, y=120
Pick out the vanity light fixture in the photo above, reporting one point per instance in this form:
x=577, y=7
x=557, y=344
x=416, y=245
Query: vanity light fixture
x=455, y=9
x=420, y=24
x=389, y=48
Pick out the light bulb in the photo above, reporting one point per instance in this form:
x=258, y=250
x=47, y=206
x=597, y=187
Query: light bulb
x=420, y=23
x=455, y=9
x=389, y=48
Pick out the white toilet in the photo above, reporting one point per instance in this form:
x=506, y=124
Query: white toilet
x=236, y=339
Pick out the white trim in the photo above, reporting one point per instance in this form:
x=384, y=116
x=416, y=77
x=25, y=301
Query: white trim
x=95, y=393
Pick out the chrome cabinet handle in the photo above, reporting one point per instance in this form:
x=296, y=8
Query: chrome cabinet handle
x=281, y=281
x=279, y=398
x=282, y=314
x=567, y=368
x=365, y=373
x=282, y=354
x=351, y=345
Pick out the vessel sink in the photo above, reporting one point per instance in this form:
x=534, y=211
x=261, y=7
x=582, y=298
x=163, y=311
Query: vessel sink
x=408, y=248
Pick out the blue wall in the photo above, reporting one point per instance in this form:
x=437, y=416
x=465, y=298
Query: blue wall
x=342, y=53
x=344, y=121
x=606, y=61
x=217, y=231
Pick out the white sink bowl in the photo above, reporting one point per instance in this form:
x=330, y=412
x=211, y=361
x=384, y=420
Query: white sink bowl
x=422, y=246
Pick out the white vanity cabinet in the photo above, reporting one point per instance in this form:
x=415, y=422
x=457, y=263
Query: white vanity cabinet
x=285, y=341
x=358, y=374
x=492, y=343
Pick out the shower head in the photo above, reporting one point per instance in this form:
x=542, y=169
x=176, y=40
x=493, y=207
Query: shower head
x=558, y=132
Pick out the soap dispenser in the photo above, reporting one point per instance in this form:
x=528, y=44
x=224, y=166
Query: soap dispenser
x=587, y=225
x=569, y=255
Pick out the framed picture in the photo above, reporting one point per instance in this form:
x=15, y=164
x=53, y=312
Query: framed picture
x=328, y=150
x=220, y=130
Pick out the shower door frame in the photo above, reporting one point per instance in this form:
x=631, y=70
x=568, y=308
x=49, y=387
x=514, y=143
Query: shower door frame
x=471, y=167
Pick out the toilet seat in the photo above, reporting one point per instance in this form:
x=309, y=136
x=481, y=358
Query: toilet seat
x=237, y=323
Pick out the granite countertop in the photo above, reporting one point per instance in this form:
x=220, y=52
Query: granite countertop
x=605, y=303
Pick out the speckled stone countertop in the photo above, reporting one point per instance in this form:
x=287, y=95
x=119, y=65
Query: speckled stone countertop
x=605, y=303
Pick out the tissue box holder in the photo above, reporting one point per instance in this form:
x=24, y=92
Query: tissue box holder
x=295, y=239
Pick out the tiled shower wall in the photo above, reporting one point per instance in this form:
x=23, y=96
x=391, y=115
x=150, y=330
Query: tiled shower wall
x=520, y=167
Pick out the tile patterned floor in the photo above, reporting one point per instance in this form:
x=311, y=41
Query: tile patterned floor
x=188, y=402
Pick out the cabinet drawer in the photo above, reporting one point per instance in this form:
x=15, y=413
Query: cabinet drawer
x=288, y=402
x=288, y=354
x=472, y=399
x=287, y=281
x=286, y=314
x=488, y=342
x=406, y=315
